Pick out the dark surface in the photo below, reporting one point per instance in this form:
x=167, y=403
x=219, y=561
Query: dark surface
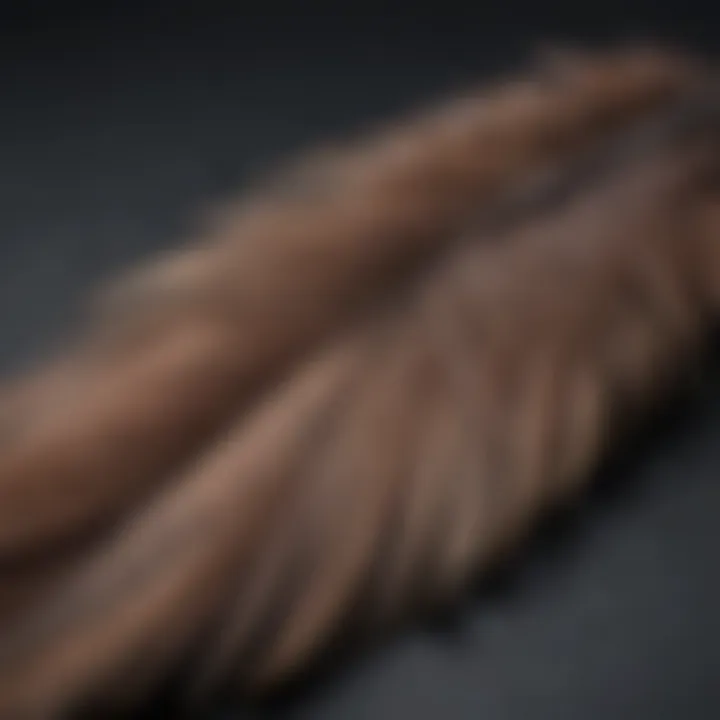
x=117, y=126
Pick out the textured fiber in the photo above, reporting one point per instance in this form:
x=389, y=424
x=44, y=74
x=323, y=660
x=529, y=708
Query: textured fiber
x=360, y=389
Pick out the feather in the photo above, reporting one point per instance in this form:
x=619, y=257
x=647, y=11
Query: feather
x=359, y=388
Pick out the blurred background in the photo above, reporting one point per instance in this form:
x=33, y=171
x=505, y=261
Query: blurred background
x=120, y=121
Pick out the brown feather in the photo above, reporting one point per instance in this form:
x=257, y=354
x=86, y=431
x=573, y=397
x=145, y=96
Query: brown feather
x=360, y=389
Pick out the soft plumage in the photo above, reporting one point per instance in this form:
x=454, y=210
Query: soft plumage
x=359, y=389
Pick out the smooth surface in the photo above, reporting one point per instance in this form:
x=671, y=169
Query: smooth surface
x=116, y=130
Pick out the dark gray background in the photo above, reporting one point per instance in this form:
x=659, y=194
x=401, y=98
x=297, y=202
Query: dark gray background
x=118, y=122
